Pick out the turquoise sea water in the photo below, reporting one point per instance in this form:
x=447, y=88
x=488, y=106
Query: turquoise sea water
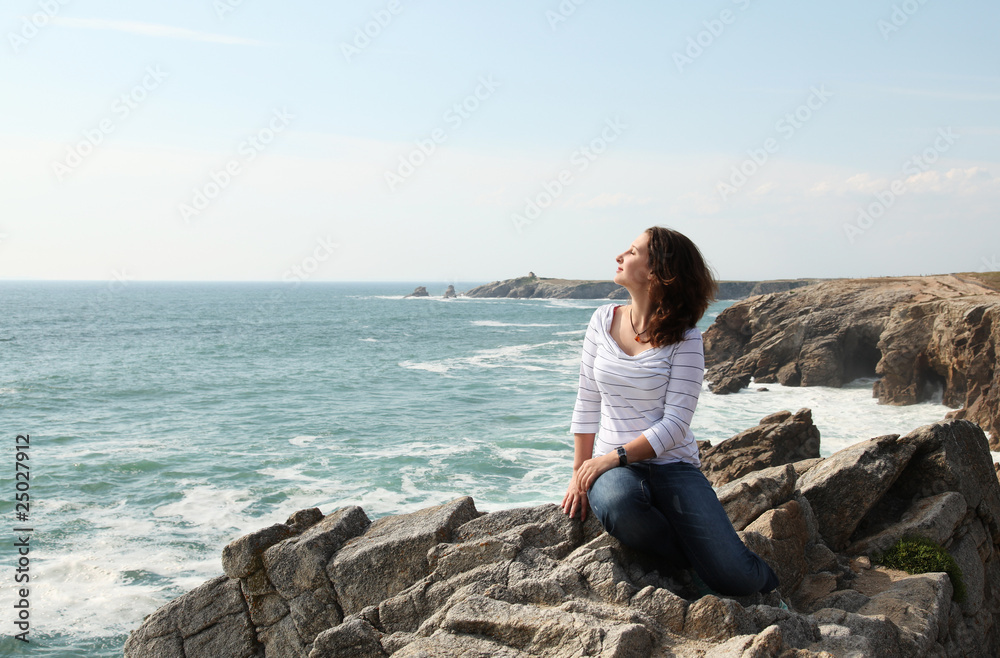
x=167, y=419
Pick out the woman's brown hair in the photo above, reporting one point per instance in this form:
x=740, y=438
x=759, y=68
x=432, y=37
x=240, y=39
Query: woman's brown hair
x=680, y=288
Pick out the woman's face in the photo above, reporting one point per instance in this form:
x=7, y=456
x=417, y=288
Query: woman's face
x=633, y=264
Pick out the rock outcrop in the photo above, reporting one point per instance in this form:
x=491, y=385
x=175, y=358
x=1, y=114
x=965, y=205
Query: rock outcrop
x=546, y=288
x=532, y=286
x=744, y=289
x=419, y=291
x=780, y=438
x=450, y=292
x=919, y=335
x=450, y=581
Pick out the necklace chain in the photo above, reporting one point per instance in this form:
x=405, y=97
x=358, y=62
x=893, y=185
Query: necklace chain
x=637, y=333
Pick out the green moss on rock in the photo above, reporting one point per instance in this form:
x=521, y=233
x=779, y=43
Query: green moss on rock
x=918, y=555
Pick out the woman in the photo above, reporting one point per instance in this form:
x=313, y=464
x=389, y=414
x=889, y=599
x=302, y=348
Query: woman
x=636, y=461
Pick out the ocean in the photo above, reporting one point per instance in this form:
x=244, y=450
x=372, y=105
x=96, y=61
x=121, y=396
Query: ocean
x=167, y=419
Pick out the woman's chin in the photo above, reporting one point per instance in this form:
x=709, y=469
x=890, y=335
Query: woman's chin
x=622, y=281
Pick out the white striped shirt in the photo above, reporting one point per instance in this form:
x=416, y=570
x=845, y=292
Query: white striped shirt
x=653, y=393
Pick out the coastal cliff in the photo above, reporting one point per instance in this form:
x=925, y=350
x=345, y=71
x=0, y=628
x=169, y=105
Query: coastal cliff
x=919, y=335
x=533, y=287
x=450, y=581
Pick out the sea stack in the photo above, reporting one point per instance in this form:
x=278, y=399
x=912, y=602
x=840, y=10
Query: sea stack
x=450, y=292
x=419, y=291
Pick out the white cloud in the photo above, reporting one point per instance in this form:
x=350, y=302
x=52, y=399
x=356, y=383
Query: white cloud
x=954, y=181
x=962, y=181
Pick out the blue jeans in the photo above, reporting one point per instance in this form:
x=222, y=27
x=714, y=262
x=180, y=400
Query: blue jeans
x=670, y=511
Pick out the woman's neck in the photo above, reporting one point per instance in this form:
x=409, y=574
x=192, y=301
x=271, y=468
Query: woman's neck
x=640, y=310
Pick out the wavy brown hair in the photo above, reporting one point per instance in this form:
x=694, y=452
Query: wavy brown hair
x=680, y=288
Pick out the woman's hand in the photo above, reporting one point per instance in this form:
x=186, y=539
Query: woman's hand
x=592, y=469
x=575, y=499
x=583, y=478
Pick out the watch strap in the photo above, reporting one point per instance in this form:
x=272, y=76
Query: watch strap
x=622, y=456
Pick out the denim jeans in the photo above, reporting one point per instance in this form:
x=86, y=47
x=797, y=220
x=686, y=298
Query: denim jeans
x=670, y=511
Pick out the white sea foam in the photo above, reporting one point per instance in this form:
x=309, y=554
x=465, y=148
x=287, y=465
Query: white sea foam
x=302, y=441
x=509, y=356
x=209, y=506
x=91, y=587
x=368, y=340
x=292, y=473
x=575, y=303
x=429, y=367
x=844, y=416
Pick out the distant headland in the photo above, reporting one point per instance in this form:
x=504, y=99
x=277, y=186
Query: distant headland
x=535, y=287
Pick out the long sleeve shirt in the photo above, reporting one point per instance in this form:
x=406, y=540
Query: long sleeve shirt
x=653, y=393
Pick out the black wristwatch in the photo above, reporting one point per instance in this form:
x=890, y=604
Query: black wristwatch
x=622, y=456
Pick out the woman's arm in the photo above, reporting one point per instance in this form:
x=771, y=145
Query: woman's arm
x=576, y=497
x=586, y=419
x=636, y=450
x=583, y=449
x=686, y=373
x=587, y=469
x=587, y=409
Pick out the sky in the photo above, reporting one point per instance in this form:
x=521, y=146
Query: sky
x=446, y=141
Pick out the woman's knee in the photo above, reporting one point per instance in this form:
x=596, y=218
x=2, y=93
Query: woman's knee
x=618, y=496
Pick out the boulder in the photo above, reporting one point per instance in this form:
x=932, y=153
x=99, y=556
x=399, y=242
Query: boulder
x=211, y=620
x=747, y=498
x=356, y=571
x=780, y=438
x=844, y=487
x=918, y=606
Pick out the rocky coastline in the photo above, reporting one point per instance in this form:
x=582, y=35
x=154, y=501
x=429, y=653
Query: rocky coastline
x=920, y=336
x=451, y=581
x=534, y=287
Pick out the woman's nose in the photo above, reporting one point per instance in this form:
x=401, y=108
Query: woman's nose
x=619, y=258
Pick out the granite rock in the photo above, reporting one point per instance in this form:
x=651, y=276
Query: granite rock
x=780, y=438
x=917, y=335
x=449, y=581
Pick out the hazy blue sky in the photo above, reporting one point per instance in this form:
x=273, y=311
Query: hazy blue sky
x=463, y=141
